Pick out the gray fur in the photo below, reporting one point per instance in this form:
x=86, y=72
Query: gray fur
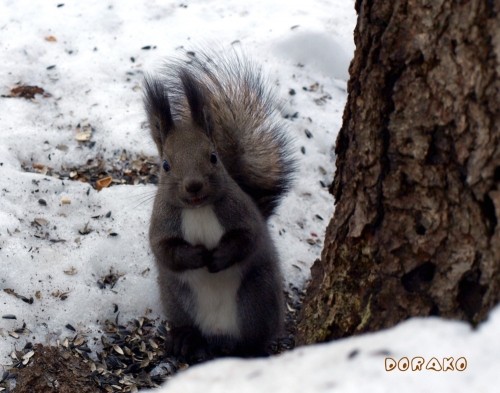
x=218, y=267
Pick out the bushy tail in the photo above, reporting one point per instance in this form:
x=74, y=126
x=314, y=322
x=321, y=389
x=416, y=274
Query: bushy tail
x=250, y=135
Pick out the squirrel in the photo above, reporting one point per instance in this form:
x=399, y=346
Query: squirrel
x=226, y=163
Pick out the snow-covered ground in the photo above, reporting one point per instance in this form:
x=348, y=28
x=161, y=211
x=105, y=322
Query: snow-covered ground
x=89, y=57
x=452, y=359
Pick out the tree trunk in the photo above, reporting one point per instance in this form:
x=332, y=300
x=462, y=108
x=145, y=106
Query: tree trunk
x=417, y=185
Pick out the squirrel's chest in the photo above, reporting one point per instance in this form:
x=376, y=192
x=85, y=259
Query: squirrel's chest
x=215, y=308
x=200, y=226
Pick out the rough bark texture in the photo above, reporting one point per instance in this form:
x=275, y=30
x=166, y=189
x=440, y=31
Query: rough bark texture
x=417, y=185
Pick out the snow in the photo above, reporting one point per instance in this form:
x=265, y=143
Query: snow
x=357, y=364
x=90, y=57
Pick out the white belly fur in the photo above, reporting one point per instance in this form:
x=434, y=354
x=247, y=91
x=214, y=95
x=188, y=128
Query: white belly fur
x=216, y=310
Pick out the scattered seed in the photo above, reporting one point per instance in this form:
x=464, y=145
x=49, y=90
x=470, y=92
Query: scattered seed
x=62, y=147
x=42, y=202
x=153, y=344
x=14, y=334
x=118, y=349
x=85, y=230
x=21, y=330
x=28, y=355
x=26, y=300
x=70, y=327
x=308, y=133
x=71, y=271
x=65, y=200
x=84, y=136
x=60, y=294
x=9, y=316
x=40, y=222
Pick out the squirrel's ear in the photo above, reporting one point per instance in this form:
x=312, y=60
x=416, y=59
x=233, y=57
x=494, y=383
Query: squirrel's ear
x=157, y=107
x=197, y=101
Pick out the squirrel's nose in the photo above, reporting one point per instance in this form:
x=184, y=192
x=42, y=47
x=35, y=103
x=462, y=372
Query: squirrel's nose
x=193, y=186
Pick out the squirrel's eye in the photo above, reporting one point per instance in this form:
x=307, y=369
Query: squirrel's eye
x=166, y=166
x=213, y=158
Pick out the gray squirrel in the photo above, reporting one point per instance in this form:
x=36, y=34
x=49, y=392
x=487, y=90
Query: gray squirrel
x=226, y=163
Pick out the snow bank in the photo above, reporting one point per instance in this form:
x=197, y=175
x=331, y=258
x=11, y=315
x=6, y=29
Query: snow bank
x=358, y=364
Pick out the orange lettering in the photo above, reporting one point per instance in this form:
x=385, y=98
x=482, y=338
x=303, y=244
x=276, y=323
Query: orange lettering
x=433, y=364
x=403, y=364
x=390, y=364
x=448, y=364
x=417, y=363
x=461, y=364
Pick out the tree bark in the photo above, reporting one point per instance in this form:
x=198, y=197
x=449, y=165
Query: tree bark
x=417, y=185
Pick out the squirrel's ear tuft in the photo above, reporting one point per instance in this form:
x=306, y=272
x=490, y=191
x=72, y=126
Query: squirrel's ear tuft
x=157, y=107
x=197, y=100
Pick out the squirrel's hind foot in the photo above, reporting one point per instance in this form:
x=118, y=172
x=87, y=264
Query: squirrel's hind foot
x=187, y=344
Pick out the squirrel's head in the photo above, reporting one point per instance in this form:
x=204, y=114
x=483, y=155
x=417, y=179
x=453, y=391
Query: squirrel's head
x=192, y=174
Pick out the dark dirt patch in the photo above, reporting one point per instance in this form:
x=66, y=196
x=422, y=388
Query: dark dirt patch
x=55, y=369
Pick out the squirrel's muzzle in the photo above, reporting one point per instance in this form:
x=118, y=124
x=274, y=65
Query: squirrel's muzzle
x=193, y=186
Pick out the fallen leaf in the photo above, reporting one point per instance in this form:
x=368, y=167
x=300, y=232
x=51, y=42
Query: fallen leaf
x=27, y=92
x=103, y=183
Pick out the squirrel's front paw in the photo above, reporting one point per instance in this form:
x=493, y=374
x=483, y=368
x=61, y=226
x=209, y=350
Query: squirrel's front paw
x=220, y=260
x=194, y=257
